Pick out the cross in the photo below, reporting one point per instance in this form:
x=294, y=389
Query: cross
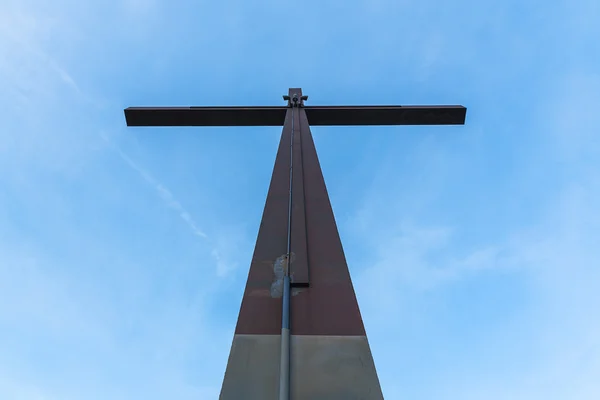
x=299, y=332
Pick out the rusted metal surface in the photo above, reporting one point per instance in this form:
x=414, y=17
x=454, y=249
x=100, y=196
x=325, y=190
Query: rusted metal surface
x=328, y=306
x=386, y=115
x=260, y=312
x=205, y=116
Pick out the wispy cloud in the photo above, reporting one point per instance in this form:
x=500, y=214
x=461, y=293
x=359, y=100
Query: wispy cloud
x=473, y=254
x=536, y=285
x=543, y=306
x=161, y=190
x=19, y=36
x=224, y=264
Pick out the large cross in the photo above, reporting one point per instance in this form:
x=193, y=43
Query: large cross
x=299, y=332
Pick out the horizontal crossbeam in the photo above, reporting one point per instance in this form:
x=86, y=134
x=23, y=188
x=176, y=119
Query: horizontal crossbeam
x=274, y=116
x=205, y=116
x=386, y=115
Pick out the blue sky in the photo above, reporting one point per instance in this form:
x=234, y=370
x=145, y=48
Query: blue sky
x=474, y=250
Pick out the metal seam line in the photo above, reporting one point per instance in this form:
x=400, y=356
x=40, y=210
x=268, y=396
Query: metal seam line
x=284, y=368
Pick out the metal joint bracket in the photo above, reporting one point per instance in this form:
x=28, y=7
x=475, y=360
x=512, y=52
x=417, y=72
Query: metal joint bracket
x=294, y=100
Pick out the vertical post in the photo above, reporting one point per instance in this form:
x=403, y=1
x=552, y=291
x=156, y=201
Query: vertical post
x=284, y=367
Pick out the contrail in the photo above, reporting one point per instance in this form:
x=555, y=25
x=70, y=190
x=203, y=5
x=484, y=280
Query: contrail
x=162, y=191
x=223, y=267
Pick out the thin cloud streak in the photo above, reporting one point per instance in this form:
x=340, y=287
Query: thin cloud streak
x=223, y=265
x=162, y=191
x=19, y=30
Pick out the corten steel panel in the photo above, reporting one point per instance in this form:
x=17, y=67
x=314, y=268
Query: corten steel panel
x=386, y=115
x=205, y=116
x=260, y=312
x=328, y=306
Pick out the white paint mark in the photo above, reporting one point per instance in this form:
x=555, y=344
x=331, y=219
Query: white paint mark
x=279, y=269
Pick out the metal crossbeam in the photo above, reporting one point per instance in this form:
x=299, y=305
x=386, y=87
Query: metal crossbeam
x=274, y=116
x=205, y=116
x=386, y=115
